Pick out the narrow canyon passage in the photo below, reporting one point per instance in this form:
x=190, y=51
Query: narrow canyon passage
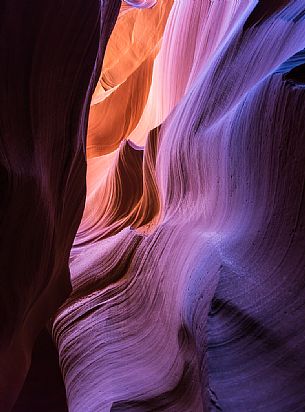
x=152, y=165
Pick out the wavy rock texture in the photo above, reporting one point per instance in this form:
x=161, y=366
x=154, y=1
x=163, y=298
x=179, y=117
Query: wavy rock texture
x=188, y=269
x=193, y=34
x=51, y=55
x=124, y=84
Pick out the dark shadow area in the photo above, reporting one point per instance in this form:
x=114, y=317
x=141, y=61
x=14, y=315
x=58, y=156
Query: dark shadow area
x=43, y=389
x=296, y=75
x=263, y=10
x=293, y=69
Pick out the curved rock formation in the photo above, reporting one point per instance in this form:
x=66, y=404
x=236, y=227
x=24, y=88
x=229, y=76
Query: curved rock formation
x=51, y=56
x=187, y=269
x=194, y=32
x=203, y=310
x=124, y=85
x=113, y=204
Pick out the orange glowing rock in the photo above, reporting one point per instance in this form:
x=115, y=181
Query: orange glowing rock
x=124, y=85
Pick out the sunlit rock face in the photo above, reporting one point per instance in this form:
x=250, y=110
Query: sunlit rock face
x=190, y=296
x=51, y=56
x=187, y=267
x=123, y=88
